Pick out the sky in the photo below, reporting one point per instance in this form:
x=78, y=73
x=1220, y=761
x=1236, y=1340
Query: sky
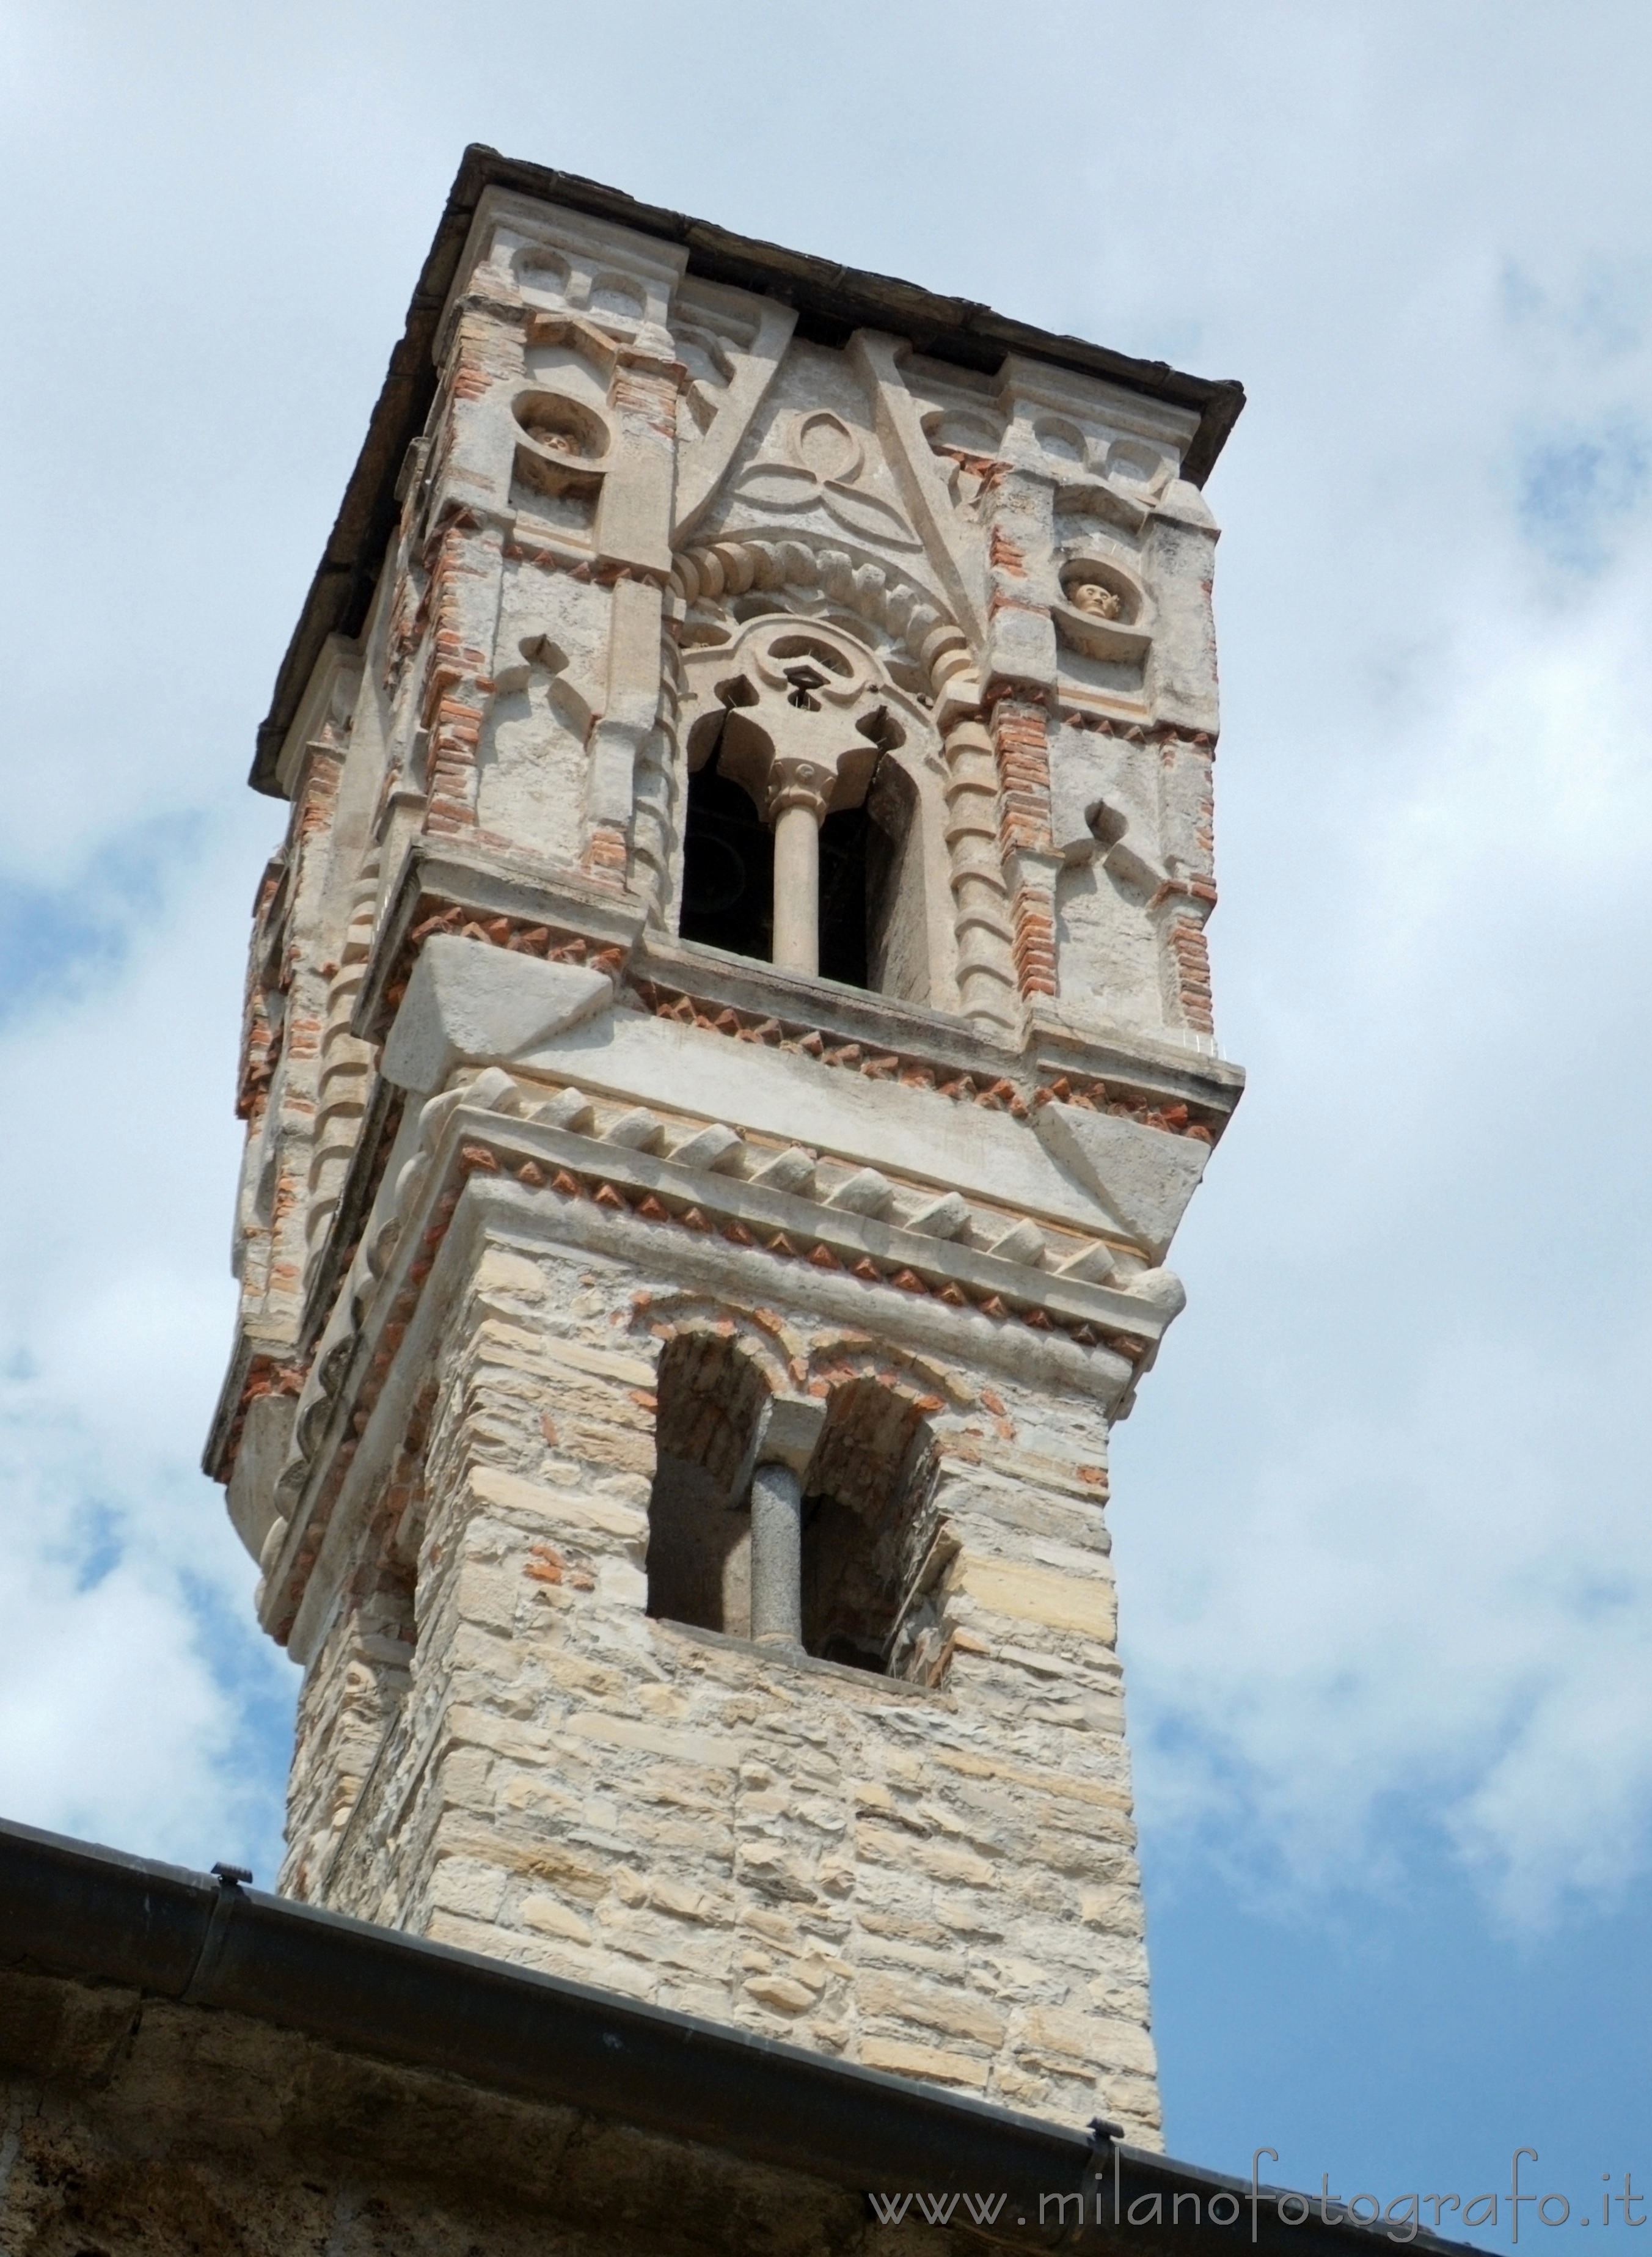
x=1382, y=1513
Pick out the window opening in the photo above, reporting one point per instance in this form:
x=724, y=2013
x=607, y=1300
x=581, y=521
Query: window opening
x=843, y=896
x=869, y=1528
x=699, y=1563
x=872, y=918
x=728, y=867
x=893, y=916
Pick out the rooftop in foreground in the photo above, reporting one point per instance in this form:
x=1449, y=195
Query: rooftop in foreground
x=205, y=2065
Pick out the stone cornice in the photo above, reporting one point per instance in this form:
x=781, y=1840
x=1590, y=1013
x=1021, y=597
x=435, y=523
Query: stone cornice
x=260, y=1363
x=507, y=900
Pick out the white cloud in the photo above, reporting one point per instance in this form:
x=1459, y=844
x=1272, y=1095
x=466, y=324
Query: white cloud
x=137, y=1700
x=1405, y=1446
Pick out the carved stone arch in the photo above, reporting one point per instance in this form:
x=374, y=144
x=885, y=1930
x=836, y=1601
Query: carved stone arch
x=788, y=678
x=710, y=1394
x=837, y=1356
x=872, y=588
x=871, y=1427
x=776, y=1348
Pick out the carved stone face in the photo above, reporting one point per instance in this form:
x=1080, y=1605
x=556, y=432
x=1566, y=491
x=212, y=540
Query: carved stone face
x=1089, y=596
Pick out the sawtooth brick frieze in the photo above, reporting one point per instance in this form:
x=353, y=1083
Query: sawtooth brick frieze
x=728, y=1045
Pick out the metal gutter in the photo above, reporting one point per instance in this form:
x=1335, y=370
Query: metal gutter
x=832, y=301
x=71, y=1908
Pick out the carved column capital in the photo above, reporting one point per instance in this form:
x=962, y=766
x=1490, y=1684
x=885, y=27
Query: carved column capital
x=795, y=781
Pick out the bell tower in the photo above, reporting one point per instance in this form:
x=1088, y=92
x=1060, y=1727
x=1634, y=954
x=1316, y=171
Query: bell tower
x=728, y=1045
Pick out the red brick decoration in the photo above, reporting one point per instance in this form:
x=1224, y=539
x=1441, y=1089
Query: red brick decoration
x=1020, y=740
x=605, y=858
x=456, y=686
x=1190, y=962
x=1035, y=948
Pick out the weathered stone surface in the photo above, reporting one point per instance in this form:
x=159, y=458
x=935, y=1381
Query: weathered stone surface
x=570, y=1781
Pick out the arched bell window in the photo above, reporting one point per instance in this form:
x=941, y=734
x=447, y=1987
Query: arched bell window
x=808, y=1526
x=800, y=843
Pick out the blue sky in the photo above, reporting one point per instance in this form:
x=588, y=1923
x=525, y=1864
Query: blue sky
x=1382, y=1513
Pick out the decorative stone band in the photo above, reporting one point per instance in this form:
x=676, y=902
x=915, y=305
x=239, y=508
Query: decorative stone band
x=362, y=1178
x=1137, y=732
x=993, y=1091
x=998, y=1093
x=346, y=1068
x=607, y=1194
x=1092, y=1096
x=1020, y=740
x=988, y=987
x=873, y=591
x=785, y=1209
x=655, y=817
x=547, y=555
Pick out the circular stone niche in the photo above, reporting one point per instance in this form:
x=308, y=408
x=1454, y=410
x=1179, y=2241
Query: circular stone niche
x=1117, y=589
x=563, y=426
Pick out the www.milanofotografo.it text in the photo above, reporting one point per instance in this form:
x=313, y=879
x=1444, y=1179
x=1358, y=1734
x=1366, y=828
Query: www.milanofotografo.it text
x=1401, y=2218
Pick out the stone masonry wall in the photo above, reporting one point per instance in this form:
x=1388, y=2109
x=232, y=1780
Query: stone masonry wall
x=935, y=1879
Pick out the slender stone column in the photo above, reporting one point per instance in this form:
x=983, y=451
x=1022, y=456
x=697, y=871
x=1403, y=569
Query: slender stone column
x=781, y=1449
x=799, y=791
x=777, y=1555
x=797, y=887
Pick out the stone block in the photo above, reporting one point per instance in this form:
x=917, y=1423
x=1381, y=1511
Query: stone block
x=779, y=1994
x=930, y=2064
x=467, y=1888
x=955, y=2013
x=549, y=1915
x=467, y=1004
x=1143, y=1176
x=542, y=1507
x=1056, y=2038
x=488, y=1595
x=1045, y=1595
